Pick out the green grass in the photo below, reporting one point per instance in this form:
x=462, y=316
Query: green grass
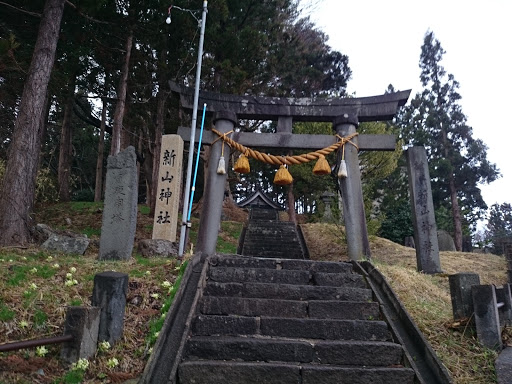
x=225, y=247
x=40, y=318
x=85, y=206
x=144, y=209
x=45, y=271
x=5, y=313
x=17, y=275
x=89, y=232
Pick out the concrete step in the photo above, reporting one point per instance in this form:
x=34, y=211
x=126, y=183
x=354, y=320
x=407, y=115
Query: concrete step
x=214, y=372
x=287, y=291
x=259, y=275
x=347, y=353
x=301, y=265
x=325, y=329
x=342, y=310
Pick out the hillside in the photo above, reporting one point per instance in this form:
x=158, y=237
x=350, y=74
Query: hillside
x=35, y=293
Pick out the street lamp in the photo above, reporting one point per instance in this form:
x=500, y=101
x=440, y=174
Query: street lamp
x=185, y=223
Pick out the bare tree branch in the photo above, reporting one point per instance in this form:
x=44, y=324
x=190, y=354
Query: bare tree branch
x=86, y=16
x=35, y=14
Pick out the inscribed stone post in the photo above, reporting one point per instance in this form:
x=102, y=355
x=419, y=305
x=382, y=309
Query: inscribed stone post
x=425, y=229
x=120, y=207
x=168, y=191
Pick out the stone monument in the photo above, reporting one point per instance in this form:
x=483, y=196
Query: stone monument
x=120, y=207
x=424, y=222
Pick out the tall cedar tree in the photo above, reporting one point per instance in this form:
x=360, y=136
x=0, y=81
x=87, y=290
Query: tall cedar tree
x=458, y=162
x=18, y=191
x=499, y=227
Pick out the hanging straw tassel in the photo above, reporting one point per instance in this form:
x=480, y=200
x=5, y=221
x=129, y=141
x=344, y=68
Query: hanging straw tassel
x=342, y=170
x=282, y=176
x=242, y=164
x=221, y=168
x=322, y=167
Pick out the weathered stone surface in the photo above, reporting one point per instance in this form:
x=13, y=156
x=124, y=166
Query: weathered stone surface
x=157, y=247
x=66, y=244
x=445, y=241
x=83, y=324
x=215, y=372
x=346, y=310
x=314, y=374
x=248, y=348
x=325, y=329
x=221, y=274
x=41, y=233
x=370, y=353
x=460, y=292
x=504, y=295
x=109, y=294
x=486, y=316
x=253, y=307
x=224, y=325
x=287, y=291
x=504, y=366
x=425, y=229
x=300, y=265
x=120, y=208
x=373, y=108
x=339, y=279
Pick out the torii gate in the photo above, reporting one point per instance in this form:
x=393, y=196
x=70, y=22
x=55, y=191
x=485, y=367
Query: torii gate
x=344, y=113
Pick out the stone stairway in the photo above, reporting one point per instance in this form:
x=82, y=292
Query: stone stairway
x=272, y=239
x=288, y=321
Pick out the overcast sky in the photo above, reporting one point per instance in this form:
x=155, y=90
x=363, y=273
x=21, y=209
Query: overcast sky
x=383, y=40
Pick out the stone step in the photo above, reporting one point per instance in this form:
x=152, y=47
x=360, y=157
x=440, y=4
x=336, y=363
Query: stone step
x=284, y=276
x=273, y=254
x=322, y=374
x=214, y=372
x=301, y=265
x=213, y=305
x=342, y=310
x=260, y=275
x=338, y=280
x=271, y=242
x=287, y=291
x=347, y=353
x=325, y=329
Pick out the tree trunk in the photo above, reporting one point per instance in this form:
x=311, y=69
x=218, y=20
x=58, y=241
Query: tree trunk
x=457, y=222
x=66, y=147
x=121, y=98
x=98, y=189
x=18, y=187
x=292, y=216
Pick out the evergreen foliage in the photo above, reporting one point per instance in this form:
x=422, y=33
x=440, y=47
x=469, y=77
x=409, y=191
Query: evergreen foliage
x=457, y=161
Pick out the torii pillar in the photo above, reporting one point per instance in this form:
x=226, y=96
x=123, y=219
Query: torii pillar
x=358, y=245
x=214, y=192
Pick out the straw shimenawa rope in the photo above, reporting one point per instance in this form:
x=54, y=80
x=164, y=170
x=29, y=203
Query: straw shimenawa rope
x=286, y=160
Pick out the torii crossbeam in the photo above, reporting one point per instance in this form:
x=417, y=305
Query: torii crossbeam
x=344, y=113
